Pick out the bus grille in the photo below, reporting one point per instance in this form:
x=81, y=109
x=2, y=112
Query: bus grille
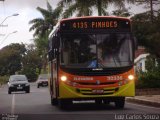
x=104, y=83
x=103, y=91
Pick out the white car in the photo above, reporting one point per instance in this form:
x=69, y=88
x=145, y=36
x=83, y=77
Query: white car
x=42, y=80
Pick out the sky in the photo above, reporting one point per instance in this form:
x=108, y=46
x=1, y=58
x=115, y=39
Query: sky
x=27, y=11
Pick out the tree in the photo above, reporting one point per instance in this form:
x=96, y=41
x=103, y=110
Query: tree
x=41, y=44
x=45, y=24
x=86, y=8
x=10, y=58
x=123, y=12
x=149, y=4
x=42, y=27
x=147, y=32
x=32, y=63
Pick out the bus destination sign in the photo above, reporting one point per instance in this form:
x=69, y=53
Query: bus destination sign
x=93, y=25
x=79, y=24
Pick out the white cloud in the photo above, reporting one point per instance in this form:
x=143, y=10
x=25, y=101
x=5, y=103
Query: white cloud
x=27, y=11
x=32, y=4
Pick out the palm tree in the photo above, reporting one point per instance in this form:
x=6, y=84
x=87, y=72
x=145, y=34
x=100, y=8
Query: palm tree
x=82, y=7
x=86, y=7
x=42, y=27
x=45, y=24
x=124, y=12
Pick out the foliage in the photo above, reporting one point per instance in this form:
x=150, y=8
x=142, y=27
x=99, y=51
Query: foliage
x=46, y=23
x=123, y=12
x=86, y=8
x=3, y=79
x=31, y=62
x=10, y=58
x=17, y=58
x=42, y=27
x=150, y=78
x=148, y=32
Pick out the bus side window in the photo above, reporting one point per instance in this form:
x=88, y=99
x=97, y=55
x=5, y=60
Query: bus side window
x=135, y=43
x=50, y=49
x=55, y=45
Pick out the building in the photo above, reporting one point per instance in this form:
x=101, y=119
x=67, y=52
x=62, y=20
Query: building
x=140, y=59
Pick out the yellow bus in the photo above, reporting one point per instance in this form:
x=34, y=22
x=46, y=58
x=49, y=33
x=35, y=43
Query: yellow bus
x=91, y=58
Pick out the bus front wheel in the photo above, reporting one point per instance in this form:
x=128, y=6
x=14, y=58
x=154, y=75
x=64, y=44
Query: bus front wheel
x=64, y=103
x=98, y=101
x=54, y=101
x=120, y=102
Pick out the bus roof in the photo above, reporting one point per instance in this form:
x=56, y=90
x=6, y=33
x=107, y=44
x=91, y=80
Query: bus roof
x=86, y=17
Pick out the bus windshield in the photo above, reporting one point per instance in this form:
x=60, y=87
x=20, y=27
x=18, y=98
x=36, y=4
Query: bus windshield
x=109, y=50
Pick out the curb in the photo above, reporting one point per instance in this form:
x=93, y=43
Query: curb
x=144, y=102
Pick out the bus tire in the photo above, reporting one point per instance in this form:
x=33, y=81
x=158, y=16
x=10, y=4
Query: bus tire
x=98, y=101
x=106, y=102
x=54, y=101
x=120, y=102
x=64, y=103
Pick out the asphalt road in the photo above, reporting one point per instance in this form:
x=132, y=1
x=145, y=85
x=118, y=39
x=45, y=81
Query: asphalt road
x=36, y=105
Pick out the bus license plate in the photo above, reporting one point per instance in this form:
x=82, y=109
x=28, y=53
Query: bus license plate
x=97, y=91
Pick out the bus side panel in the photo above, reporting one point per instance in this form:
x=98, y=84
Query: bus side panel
x=53, y=86
x=55, y=82
x=50, y=79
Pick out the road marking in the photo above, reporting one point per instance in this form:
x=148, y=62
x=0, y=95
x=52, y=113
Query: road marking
x=143, y=105
x=13, y=104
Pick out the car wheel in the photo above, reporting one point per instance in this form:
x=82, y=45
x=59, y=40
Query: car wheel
x=28, y=90
x=37, y=86
x=9, y=91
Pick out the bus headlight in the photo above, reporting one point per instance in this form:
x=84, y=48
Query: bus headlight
x=63, y=78
x=131, y=77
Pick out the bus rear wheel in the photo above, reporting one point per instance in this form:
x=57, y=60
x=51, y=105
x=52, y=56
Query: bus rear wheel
x=120, y=102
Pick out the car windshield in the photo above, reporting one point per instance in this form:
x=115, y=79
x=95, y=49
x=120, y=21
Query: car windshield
x=96, y=50
x=43, y=77
x=15, y=78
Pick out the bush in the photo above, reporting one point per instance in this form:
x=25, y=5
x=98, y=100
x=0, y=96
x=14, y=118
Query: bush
x=148, y=80
x=30, y=73
x=3, y=79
